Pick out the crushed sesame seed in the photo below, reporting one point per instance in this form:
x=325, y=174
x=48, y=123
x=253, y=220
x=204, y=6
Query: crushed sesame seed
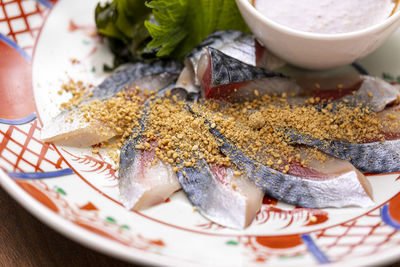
x=313, y=219
x=255, y=127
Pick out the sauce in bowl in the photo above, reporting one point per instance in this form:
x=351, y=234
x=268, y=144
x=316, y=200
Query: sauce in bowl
x=327, y=16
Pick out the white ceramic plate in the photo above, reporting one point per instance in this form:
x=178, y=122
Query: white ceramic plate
x=42, y=45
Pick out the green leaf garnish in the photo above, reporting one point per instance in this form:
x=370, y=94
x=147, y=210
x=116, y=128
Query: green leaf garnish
x=122, y=22
x=138, y=30
x=182, y=24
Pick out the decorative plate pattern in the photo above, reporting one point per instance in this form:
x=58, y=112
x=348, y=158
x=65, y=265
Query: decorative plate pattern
x=44, y=43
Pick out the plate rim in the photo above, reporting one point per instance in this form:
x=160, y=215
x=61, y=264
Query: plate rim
x=81, y=235
x=133, y=255
x=130, y=254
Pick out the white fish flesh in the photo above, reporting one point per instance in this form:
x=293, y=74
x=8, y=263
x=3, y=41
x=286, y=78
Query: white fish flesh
x=67, y=128
x=143, y=182
x=373, y=93
x=187, y=80
x=379, y=156
x=347, y=187
x=220, y=196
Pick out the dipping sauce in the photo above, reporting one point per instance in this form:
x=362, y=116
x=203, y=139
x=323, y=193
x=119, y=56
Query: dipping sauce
x=327, y=16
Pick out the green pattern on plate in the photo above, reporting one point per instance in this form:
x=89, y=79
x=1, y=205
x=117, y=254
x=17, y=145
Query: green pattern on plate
x=60, y=191
x=110, y=219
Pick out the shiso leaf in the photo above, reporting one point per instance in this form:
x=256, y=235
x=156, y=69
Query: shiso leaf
x=140, y=30
x=182, y=24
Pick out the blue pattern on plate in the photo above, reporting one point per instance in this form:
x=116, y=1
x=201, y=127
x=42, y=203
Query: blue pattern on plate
x=385, y=215
x=314, y=249
x=40, y=175
x=25, y=120
x=45, y=3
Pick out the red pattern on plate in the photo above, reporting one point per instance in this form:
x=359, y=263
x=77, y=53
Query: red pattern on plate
x=88, y=30
x=279, y=242
x=20, y=148
x=361, y=237
x=394, y=208
x=87, y=218
x=29, y=153
x=16, y=97
x=38, y=195
x=96, y=165
x=263, y=248
x=296, y=216
x=28, y=12
x=89, y=206
x=210, y=226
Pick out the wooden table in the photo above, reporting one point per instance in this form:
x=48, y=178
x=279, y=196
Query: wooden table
x=25, y=241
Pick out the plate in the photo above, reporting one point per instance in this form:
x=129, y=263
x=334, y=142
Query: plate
x=43, y=44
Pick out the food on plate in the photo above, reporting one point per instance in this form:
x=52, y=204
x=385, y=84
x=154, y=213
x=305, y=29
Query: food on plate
x=226, y=77
x=228, y=131
x=70, y=126
x=327, y=16
x=144, y=181
x=315, y=185
x=373, y=93
x=241, y=46
x=373, y=155
x=220, y=194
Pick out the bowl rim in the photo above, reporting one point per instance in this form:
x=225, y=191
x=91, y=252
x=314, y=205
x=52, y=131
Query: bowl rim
x=320, y=36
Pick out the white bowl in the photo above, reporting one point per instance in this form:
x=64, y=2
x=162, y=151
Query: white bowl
x=315, y=50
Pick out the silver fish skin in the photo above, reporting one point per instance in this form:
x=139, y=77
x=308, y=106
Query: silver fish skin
x=225, y=77
x=375, y=157
x=374, y=93
x=239, y=45
x=349, y=189
x=217, y=200
x=63, y=131
x=137, y=74
x=140, y=183
x=342, y=191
